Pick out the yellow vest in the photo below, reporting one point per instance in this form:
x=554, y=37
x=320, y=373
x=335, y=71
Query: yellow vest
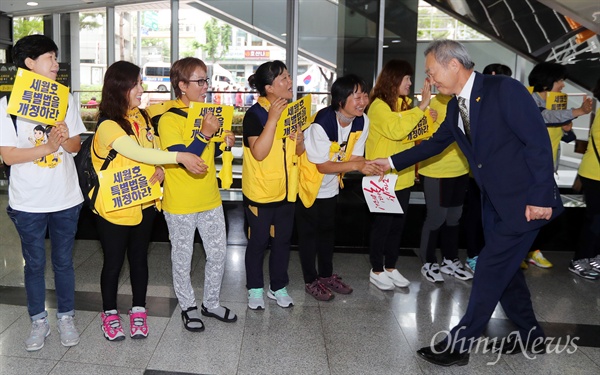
x=106, y=134
x=311, y=178
x=266, y=181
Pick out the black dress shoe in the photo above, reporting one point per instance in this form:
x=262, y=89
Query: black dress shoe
x=442, y=356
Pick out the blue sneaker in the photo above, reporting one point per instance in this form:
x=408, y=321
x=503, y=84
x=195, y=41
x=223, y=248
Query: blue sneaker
x=471, y=263
x=281, y=296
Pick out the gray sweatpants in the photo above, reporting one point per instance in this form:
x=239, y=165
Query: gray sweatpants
x=211, y=226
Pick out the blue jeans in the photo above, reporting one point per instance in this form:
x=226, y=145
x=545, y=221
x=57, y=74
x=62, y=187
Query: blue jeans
x=32, y=227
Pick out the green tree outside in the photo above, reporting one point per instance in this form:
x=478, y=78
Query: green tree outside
x=218, y=40
x=24, y=26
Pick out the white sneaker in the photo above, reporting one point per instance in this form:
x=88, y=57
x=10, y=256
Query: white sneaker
x=397, y=278
x=382, y=281
x=40, y=329
x=456, y=269
x=431, y=271
x=281, y=296
x=68, y=333
x=256, y=301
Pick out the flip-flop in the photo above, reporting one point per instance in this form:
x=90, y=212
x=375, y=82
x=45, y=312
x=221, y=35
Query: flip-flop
x=226, y=318
x=187, y=320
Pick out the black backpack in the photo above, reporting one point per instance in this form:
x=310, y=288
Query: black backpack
x=88, y=178
x=6, y=166
x=156, y=118
x=14, y=121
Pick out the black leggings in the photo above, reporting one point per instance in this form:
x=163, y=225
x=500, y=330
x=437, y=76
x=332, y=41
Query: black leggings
x=386, y=234
x=116, y=240
x=316, y=237
x=589, y=245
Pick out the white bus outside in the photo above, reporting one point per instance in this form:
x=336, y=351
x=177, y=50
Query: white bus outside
x=155, y=76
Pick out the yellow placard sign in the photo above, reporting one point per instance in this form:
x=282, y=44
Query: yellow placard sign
x=127, y=186
x=423, y=130
x=38, y=98
x=196, y=113
x=556, y=100
x=296, y=115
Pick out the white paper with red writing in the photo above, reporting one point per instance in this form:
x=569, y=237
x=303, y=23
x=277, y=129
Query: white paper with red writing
x=380, y=195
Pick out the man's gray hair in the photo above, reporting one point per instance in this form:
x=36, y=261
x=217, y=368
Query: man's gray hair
x=445, y=50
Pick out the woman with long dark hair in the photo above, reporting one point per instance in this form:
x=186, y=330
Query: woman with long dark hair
x=126, y=129
x=392, y=120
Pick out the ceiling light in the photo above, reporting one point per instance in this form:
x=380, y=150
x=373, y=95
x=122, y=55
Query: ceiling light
x=32, y=3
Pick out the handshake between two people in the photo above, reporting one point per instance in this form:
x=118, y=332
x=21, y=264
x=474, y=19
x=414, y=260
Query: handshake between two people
x=376, y=167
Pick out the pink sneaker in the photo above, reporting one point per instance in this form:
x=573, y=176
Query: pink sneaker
x=138, y=325
x=111, y=326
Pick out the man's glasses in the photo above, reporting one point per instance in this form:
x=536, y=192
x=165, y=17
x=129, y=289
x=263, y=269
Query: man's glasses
x=201, y=82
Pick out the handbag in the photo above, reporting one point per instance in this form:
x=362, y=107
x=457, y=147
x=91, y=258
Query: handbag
x=568, y=136
x=581, y=146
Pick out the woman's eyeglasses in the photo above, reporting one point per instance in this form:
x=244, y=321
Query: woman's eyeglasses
x=201, y=82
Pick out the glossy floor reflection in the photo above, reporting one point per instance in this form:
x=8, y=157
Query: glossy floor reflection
x=367, y=332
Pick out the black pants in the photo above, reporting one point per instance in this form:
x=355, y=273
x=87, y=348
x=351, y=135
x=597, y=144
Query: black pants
x=386, y=233
x=274, y=225
x=589, y=246
x=116, y=240
x=316, y=237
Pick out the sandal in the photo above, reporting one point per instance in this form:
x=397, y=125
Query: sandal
x=228, y=318
x=187, y=320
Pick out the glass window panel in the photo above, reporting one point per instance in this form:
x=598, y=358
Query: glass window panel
x=92, y=57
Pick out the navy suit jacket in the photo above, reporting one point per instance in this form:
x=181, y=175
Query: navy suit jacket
x=510, y=154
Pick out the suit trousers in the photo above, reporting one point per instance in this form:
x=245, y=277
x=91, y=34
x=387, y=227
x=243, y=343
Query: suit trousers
x=472, y=220
x=498, y=279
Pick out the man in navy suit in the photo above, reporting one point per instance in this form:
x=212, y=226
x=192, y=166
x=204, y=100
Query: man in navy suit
x=501, y=132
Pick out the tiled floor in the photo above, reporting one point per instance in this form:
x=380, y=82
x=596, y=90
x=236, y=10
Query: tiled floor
x=367, y=332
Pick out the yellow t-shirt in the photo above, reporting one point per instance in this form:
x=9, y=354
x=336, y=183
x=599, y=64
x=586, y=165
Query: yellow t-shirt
x=107, y=133
x=590, y=165
x=556, y=134
x=183, y=192
x=386, y=132
x=451, y=162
